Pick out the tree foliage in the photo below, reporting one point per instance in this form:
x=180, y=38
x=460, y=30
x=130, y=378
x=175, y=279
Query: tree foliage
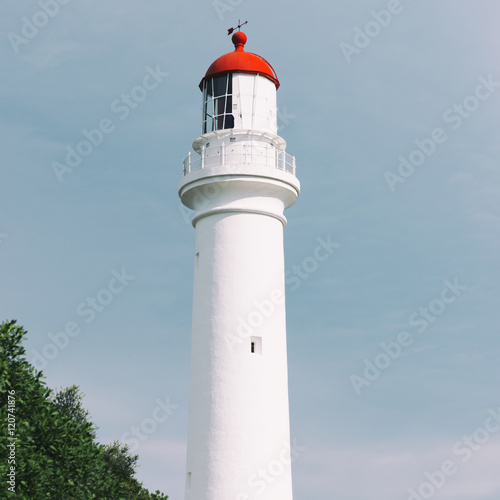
x=56, y=455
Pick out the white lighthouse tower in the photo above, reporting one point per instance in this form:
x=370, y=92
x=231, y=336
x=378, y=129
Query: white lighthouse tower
x=238, y=182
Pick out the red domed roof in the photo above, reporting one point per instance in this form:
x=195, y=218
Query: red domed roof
x=240, y=61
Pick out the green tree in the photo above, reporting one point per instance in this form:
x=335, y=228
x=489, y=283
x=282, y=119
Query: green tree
x=56, y=455
x=69, y=400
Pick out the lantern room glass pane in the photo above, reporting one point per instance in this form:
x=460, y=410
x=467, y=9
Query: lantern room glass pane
x=220, y=85
x=218, y=103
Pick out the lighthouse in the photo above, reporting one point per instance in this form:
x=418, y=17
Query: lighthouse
x=239, y=180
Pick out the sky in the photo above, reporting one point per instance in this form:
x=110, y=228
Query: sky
x=392, y=109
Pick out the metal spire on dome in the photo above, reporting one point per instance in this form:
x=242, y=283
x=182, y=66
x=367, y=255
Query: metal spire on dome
x=230, y=30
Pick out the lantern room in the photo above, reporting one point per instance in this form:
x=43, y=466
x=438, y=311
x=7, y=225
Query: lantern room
x=239, y=92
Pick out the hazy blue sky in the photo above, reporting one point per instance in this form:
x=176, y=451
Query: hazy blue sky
x=366, y=87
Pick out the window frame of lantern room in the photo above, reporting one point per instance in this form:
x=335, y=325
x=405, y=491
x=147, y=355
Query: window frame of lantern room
x=218, y=103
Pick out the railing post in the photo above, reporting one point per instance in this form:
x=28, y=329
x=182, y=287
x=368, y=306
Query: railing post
x=223, y=153
x=189, y=162
x=203, y=156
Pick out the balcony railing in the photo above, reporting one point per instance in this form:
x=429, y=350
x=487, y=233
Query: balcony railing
x=235, y=154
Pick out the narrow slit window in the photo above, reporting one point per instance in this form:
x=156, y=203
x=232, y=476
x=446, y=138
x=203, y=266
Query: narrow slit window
x=256, y=345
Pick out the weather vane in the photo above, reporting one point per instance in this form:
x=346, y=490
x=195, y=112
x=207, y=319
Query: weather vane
x=230, y=30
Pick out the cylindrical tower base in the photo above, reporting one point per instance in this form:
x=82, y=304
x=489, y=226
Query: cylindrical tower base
x=238, y=440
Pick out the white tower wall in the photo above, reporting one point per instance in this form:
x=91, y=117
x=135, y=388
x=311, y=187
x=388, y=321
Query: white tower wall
x=243, y=395
x=254, y=103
